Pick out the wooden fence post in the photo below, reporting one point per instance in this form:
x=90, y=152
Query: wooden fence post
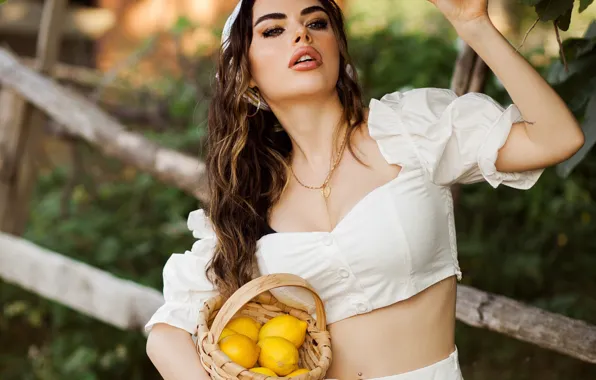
x=21, y=128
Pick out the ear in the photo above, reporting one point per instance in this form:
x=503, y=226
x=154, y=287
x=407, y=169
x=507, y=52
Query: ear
x=252, y=83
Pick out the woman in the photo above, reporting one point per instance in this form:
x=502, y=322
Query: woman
x=305, y=180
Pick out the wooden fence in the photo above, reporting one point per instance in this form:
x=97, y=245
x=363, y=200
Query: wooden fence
x=127, y=305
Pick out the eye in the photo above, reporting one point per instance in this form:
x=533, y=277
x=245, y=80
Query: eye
x=318, y=24
x=273, y=32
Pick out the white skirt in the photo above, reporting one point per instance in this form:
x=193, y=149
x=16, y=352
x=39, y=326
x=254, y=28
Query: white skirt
x=446, y=369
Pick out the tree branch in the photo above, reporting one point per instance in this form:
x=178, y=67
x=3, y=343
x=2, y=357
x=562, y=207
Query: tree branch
x=87, y=121
x=81, y=76
x=88, y=290
x=527, y=323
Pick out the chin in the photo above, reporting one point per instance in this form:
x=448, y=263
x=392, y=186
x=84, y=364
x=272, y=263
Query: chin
x=309, y=85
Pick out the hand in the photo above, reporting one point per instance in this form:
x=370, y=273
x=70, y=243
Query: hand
x=460, y=12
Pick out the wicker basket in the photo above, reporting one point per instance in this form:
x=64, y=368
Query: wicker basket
x=255, y=300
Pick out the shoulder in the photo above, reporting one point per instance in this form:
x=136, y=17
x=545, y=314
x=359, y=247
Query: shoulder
x=366, y=146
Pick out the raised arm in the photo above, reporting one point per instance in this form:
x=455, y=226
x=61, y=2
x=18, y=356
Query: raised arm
x=550, y=133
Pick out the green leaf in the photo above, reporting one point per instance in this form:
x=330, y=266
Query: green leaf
x=584, y=4
x=549, y=10
x=585, y=64
x=591, y=32
x=575, y=48
x=81, y=359
x=564, y=20
x=576, y=90
x=35, y=318
x=589, y=128
x=15, y=309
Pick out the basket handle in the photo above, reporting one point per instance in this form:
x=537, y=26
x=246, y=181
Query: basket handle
x=260, y=285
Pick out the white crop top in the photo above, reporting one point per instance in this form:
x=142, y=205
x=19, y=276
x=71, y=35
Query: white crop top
x=395, y=242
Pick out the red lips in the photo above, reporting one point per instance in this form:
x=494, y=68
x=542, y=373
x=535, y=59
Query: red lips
x=307, y=65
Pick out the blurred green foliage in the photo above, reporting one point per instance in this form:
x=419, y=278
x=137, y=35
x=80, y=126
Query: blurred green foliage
x=534, y=246
x=558, y=11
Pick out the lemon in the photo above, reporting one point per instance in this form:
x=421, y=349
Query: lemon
x=241, y=349
x=226, y=332
x=297, y=372
x=245, y=326
x=278, y=354
x=285, y=326
x=264, y=371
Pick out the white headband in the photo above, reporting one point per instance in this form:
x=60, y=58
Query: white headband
x=228, y=26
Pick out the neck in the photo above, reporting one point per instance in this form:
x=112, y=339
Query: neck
x=316, y=128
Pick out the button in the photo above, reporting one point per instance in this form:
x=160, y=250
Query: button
x=343, y=273
x=362, y=308
x=328, y=240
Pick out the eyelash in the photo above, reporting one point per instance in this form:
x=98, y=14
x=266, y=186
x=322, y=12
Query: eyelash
x=276, y=31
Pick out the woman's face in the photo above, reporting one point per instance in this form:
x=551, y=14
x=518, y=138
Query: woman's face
x=294, y=52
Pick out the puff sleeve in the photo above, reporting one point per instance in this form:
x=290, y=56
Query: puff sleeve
x=454, y=139
x=185, y=285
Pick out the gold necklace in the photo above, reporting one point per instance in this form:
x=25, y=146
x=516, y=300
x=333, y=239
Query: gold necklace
x=325, y=188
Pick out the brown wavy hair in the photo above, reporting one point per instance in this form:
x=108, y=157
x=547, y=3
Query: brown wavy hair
x=247, y=157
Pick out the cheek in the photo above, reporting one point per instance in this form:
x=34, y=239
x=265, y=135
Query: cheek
x=329, y=45
x=265, y=57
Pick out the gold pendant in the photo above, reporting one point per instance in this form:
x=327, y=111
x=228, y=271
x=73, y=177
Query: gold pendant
x=326, y=191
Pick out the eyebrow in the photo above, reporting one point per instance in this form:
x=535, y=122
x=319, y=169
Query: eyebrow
x=281, y=16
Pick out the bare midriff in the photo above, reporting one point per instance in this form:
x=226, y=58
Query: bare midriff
x=399, y=338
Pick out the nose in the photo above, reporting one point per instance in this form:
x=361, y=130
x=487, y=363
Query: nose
x=302, y=35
